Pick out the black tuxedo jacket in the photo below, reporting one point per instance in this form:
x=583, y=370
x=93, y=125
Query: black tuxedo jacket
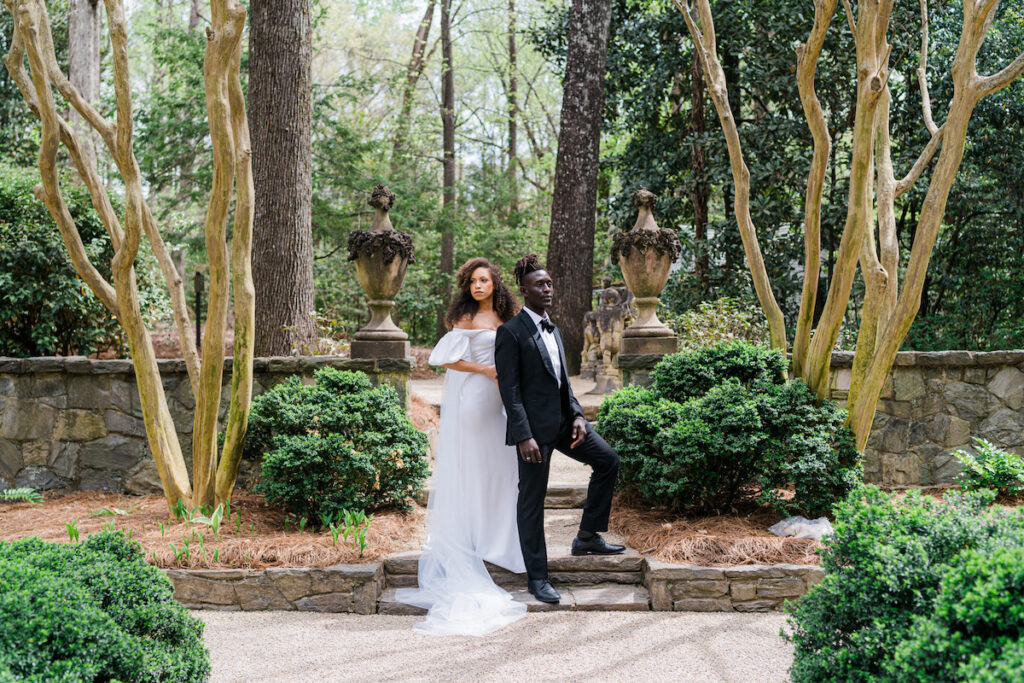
x=534, y=403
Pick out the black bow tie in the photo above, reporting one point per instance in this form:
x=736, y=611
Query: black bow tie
x=547, y=325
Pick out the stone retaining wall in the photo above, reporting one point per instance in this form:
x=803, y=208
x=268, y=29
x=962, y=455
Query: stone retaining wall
x=934, y=404
x=77, y=423
x=339, y=588
x=748, y=588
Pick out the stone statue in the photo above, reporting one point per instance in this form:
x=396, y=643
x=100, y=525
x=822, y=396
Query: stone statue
x=613, y=316
x=590, y=356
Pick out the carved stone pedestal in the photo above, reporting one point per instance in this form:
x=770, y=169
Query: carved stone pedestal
x=372, y=348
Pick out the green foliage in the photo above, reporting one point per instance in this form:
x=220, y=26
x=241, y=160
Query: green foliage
x=991, y=468
x=339, y=443
x=19, y=127
x=716, y=322
x=21, y=495
x=682, y=376
x=45, y=309
x=720, y=425
x=915, y=590
x=93, y=611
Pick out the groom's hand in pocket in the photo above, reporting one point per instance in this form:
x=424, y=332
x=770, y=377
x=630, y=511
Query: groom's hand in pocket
x=529, y=451
x=579, y=431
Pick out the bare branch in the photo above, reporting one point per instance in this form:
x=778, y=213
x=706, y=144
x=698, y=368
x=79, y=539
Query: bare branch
x=998, y=81
x=808, y=55
x=922, y=72
x=28, y=17
x=704, y=44
x=907, y=182
x=849, y=18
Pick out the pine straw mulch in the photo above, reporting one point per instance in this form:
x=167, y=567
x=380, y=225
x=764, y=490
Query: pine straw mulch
x=711, y=541
x=260, y=541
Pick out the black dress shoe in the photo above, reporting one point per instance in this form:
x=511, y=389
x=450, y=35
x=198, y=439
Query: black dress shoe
x=595, y=545
x=543, y=590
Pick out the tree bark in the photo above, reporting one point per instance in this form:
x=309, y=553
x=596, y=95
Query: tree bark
x=84, y=65
x=412, y=76
x=280, y=99
x=513, y=109
x=573, y=211
x=446, y=265
x=194, y=16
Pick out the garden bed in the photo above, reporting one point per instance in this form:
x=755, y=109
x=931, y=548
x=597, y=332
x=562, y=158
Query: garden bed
x=256, y=537
x=730, y=540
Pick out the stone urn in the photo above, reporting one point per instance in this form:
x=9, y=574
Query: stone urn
x=646, y=254
x=381, y=255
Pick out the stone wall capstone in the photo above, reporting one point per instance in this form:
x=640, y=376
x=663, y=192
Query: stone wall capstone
x=71, y=422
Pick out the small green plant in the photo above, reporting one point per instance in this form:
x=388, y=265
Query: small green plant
x=72, y=528
x=212, y=520
x=302, y=525
x=238, y=523
x=20, y=495
x=109, y=526
x=111, y=512
x=991, y=468
x=356, y=525
x=335, y=531
x=216, y=555
x=180, y=510
x=163, y=529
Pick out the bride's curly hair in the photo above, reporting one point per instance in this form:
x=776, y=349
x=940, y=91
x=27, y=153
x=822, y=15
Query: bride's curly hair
x=464, y=305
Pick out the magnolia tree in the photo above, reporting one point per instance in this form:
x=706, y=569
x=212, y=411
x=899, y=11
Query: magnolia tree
x=32, y=65
x=869, y=235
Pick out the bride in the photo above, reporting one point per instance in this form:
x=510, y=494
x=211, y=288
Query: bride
x=471, y=514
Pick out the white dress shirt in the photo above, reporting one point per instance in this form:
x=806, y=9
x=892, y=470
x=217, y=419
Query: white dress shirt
x=549, y=342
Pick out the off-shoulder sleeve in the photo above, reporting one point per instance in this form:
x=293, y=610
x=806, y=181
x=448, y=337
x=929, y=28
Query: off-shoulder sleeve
x=452, y=347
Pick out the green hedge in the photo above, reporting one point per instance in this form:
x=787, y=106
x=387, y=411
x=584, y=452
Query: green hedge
x=916, y=590
x=721, y=425
x=93, y=611
x=45, y=309
x=340, y=443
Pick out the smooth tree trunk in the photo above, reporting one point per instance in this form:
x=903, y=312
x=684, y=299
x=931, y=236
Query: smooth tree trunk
x=699, y=193
x=869, y=240
x=412, y=76
x=280, y=112
x=32, y=64
x=194, y=16
x=573, y=208
x=84, y=65
x=448, y=172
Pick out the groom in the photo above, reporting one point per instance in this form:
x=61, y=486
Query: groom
x=543, y=415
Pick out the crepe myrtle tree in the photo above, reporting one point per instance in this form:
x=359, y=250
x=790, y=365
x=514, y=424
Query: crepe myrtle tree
x=869, y=236
x=32, y=65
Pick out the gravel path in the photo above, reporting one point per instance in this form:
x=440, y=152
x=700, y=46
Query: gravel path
x=595, y=646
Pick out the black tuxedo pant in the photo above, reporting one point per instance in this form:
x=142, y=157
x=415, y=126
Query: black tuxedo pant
x=533, y=488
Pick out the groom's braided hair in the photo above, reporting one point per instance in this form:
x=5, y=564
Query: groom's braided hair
x=527, y=264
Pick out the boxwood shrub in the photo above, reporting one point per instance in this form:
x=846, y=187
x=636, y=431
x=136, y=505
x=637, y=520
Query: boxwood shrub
x=93, y=611
x=340, y=443
x=721, y=425
x=915, y=590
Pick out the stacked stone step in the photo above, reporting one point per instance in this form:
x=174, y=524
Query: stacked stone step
x=586, y=583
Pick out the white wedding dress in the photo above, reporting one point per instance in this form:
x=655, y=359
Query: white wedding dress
x=471, y=513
